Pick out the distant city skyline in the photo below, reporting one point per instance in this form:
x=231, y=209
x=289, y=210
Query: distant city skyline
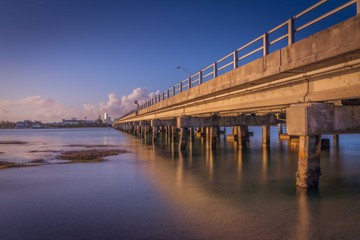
x=74, y=118
x=64, y=59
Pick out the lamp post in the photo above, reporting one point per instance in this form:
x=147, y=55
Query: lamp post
x=184, y=70
x=136, y=103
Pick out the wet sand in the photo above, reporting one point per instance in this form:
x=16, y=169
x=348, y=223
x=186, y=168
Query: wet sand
x=91, y=153
x=12, y=142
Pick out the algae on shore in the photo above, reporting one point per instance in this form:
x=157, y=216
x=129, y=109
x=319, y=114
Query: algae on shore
x=12, y=142
x=4, y=165
x=91, y=155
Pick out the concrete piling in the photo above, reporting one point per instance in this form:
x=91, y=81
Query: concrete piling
x=212, y=137
x=266, y=136
x=183, y=141
x=308, y=172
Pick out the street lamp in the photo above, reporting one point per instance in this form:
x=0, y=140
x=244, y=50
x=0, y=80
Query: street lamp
x=184, y=70
x=136, y=103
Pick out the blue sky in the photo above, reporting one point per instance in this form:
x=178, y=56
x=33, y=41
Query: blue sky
x=79, y=58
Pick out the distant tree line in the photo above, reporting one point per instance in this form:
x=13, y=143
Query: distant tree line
x=7, y=124
x=80, y=124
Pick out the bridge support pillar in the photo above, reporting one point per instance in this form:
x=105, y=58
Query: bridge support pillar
x=146, y=131
x=212, y=137
x=168, y=133
x=173, y=133
x=132, y=129
x=142, y=132
x=336, y=140
x=191, y=134
x=207, y=134
x=155, y=132
x=137, y=132
x=280, y=129
x=241, y=136
x=202, y=134
x=266, y=136
x=309, y=171
x=309, y=121
x=184, y=135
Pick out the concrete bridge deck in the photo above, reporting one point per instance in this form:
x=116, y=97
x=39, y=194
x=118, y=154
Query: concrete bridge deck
x=310, y=80
x=322, y=67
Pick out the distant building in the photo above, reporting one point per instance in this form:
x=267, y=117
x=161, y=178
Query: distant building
x=71, y=122
x=107, y=118
x=20, y=124
x=24, y=124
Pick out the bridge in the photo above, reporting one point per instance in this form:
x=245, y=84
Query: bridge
x=311, y=85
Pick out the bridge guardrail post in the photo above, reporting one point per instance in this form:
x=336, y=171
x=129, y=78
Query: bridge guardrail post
x=189, y=82
x=180, y=87
x=265, y=44
x=200, y=77
x=215, y=69
x=291, y=33
x=235, y=59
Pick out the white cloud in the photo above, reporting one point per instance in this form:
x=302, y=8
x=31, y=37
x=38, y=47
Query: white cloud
x=118, y=106
x=49, y=110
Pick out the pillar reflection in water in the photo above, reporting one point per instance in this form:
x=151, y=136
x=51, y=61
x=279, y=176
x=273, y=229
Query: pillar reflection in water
x=239, y=161
x=210, y=162
x=190, y=156
x=303, y=221
x=180, y=169
x=265, y=163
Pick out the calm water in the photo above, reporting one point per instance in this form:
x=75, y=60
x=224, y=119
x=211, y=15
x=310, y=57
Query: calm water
x=153, y=192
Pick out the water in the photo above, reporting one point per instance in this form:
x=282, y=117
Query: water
x=155, y=192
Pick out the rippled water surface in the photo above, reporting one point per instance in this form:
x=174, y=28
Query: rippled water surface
x=157, y=192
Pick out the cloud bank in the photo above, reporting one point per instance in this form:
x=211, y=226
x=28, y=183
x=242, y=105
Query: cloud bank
x=49, y=110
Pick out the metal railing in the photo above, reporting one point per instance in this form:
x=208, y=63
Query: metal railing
x=261, y=44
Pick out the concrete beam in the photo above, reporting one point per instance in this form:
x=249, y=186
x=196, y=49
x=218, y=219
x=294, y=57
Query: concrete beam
x=145, y=123
x=215, y=121
x=136, y=123
x=347, y=119
x=163, y=122
x=306, y=119
x=188, y=121
x=248, y=120
x=311, y=119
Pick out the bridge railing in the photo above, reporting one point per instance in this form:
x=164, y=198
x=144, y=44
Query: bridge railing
x=256, y=48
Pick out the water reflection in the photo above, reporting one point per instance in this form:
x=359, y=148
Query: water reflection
x=159, y=192
x=265, y=163
x=210, y=162
x=308, y=221
x=239, y=162
x=304, y=218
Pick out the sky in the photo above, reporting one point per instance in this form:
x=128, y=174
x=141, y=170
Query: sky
x=81, y=58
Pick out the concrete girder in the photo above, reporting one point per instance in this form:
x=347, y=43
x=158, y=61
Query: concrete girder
x=214, y=121
x=163, y=122
x=145, y=123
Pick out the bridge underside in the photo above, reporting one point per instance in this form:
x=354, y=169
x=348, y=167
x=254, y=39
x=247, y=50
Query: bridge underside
x=310, y=81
